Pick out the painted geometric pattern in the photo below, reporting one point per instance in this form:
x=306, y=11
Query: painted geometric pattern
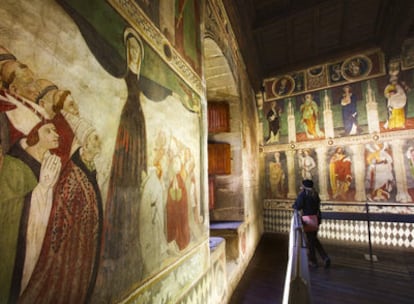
x=277, y=220
x=200, y=293
x=210, y=288
x=391, y=234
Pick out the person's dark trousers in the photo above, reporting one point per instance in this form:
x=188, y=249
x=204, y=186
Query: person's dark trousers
x=313, y=246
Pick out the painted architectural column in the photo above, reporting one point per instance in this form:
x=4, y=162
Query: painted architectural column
x=322, y=172
x=290, y=158
x=291, y=123
x=359, y=170
x=259, y=103
x=400, y=172
x=372, y=111
x=327, y=116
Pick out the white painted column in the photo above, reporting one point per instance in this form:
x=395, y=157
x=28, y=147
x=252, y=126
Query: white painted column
x=372, y=111
x=291, y=123
x=359, y=170
x=290, y=158
x=400, y=172
x=327, y=116
x=322, y=172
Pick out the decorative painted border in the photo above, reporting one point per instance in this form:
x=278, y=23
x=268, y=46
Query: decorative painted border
x=396, y=234
x=283, y=86
x=330, y=74
x=341, y=207
x=392, y=234
x=196, y=260
x=356, y=68
x=340, y=141
x=152, y=35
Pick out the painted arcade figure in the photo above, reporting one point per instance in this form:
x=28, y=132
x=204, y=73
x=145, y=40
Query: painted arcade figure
x=349, y=111
x=273, y=117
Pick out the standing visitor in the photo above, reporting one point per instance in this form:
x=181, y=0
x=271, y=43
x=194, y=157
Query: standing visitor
x=308, y=202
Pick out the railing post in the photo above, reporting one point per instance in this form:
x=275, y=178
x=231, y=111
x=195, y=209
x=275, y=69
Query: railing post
x=371, y=256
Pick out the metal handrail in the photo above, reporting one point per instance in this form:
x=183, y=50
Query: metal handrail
x=297, y=281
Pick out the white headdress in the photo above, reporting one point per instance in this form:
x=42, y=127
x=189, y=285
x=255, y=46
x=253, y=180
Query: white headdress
x=80, y=126
x=26, y=114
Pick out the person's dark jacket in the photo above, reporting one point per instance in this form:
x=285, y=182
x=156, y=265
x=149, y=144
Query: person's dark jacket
x=309, y=202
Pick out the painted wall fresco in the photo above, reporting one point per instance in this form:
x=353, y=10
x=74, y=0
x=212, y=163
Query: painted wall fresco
x=352, y=137
x=355, y=68
x=371, y=167
x=379, y=104
x=341, y=176
x=175, y=20
x=276, y=170
x=100, y=184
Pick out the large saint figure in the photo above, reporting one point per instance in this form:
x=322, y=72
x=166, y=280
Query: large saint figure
x=349, y=111
x=121, y=235
x=273, y=117
x=340, y=174
x=396, y=101
x=380, y=172
x=306, y=163
x=310, y=117
x=276, y=177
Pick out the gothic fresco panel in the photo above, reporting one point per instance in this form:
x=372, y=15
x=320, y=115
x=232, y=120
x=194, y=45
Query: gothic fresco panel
x=380, y=178
x=273, y=126
x=94, y=156
x=306, y=166
x=276, y=175
x=355, y=116
x=348, y=110
x=309, y=117
x=175, y=20
x=341, y=179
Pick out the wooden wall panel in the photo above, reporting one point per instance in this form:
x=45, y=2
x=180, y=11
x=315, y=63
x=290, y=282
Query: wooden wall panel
x=219, y=158
x=218, y=117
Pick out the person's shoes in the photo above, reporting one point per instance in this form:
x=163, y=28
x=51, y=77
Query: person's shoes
x=312, y=264
x=327, y=262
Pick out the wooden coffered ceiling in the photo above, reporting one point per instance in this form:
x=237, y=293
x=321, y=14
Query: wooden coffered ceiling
x=277, y=36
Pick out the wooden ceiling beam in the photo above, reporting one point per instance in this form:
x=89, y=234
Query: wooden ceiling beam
x=264, y=23
x=396, y=23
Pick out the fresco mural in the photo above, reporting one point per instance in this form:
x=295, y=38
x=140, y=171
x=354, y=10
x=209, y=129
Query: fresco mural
x=380, y=180
x=343, y=71
x=306, y=164
x=276, y=172
x=310, y=117
x=273, y=118
x=349, y=111
x=341, y=124
x=340, y=174
x=274, y=126
x=175, y=20
x=100, y=186
x=348, y=125
x=378, y=104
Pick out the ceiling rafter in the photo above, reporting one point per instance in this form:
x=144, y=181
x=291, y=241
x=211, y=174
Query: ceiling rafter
x=281, y=36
